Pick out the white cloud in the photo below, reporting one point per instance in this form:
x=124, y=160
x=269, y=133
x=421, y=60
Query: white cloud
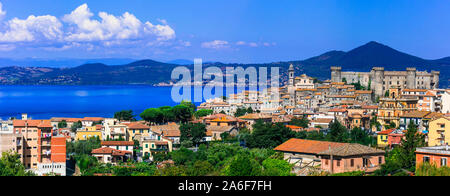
x=253, y=44
x=2, y=12
x=241, y=43
x=83, y=27
x=112, y=27
x=34, y=28
x=216, y=44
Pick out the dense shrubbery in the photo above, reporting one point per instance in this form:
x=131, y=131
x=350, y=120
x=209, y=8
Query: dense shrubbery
x=427, y=169
x=180, y=113
x=402, y=159
x=10, y=165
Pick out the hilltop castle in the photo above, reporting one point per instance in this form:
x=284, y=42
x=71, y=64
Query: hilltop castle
x=380, y=80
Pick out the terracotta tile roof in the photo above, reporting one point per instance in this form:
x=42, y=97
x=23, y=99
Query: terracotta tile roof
x=369, y=107
x=363, y=92
x=110, y=151
x=385, y=132
x=59, y=119
x=351, y=150
x=171, y=133
x=415, y=114
x=255, y=116
x=170, y=130
x=46, y=124
x=434, y=115
x=32, y=123
x=338, y=110
x=95, y=119
x=306, y=146
x=137, y=125
x=117, y=143
x=293, y=127
x=323, y=120
x=220, y=129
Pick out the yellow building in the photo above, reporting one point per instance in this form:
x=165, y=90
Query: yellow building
x=159, y=145
x=88, y=132
x=382, y=138
x=390, y=109
x=137, y=130
x=439, y=132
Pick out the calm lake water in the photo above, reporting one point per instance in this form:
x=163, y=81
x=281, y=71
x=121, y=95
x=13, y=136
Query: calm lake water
x=43, y=102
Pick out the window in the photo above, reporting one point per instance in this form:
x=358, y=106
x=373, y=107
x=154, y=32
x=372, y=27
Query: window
x=426, y=159
x=380, y=160
x=338, y=163
x=443, y=162
x=326, y=162
x=352, y=163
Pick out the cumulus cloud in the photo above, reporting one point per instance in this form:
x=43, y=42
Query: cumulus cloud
x=216, y=44
x=112, y=27
x=34, y=28
x=2, y=12
x=82, y=26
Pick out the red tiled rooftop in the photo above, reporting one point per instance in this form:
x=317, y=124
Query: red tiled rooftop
x=117, y=143
x=111, y=151
x=137, y=125
x=306, y=146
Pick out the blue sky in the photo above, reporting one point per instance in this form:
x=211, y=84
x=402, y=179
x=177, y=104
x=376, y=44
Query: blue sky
x=243, y=31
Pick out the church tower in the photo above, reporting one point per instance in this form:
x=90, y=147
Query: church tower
x=291, y=75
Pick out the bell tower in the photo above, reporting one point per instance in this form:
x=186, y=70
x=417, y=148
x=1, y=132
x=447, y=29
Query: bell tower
x=291, y=75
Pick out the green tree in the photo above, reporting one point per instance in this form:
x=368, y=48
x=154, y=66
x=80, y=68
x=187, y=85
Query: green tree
x=62, y=124
x=268, y=135
x=152, y=115
x=199, y=168
x=242, y=165
x=126, y=115
x=276, y=167
x=194, y=132
x=167, y=114
x=189, y=104
x=427, y=169
x=301, y=122
x=202, y=113
x=357, y=135
x=76, y=126
x=337, y=132
x=182, y=113
x=182, y=156
x=10, y=165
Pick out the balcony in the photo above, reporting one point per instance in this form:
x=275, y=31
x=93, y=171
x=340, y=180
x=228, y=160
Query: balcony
x=46, y=153
x=46, y=144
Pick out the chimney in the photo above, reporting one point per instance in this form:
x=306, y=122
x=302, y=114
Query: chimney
x=446, y=146
x=24, y=116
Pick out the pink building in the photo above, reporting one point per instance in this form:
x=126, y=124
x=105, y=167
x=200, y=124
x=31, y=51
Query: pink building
x=395, y=138
x=351, y=157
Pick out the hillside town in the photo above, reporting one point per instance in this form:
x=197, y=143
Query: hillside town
x=350, y=123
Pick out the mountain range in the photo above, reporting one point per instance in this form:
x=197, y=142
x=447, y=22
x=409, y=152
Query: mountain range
x=151, y=72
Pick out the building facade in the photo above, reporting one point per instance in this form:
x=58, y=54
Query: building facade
x=380, y=80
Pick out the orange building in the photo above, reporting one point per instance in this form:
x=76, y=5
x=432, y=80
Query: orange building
x=44, y=149
x=390, y=109
x=436, y=155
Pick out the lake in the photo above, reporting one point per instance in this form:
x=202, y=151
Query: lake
x=44, y=102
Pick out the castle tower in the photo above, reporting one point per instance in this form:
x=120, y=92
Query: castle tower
x=411, y=78
x=291, y=75
x=377, y=76
x=435, y=81
x=336, y=74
